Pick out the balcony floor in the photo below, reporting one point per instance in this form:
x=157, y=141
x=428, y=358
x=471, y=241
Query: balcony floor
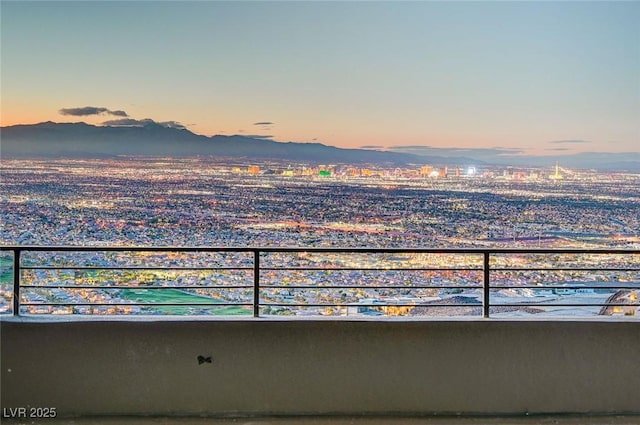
x=339, y=420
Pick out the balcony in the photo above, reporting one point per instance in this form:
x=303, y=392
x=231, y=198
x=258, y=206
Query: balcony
x=505, y=352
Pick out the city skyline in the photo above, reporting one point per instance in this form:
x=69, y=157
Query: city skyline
x=544, y=78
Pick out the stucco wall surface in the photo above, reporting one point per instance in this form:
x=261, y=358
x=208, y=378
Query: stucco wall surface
x=261, y=366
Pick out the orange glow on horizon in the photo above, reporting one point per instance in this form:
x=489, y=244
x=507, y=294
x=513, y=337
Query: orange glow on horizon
x=18, y=117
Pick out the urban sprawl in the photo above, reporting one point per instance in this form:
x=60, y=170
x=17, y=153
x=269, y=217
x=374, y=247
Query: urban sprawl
x=205, y=202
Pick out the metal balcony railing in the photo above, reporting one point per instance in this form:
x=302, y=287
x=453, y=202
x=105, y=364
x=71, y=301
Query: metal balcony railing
x=318, y=281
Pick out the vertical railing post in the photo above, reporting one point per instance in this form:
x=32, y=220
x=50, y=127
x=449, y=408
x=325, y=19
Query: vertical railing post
x=486, y=302
x=16, y=282
x=256, y=283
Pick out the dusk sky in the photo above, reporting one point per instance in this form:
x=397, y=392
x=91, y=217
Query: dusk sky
x=545, y=77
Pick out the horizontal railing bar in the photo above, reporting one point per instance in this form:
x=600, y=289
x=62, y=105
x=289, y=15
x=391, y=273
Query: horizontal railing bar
x=324, y=287
x=565, y=305
x=67, y=248
x=371, y=305
x=250, y=286
x=133, y=287
x=329, y=269
x=585, y=269
x=331, y=305
x=379, y=269
x=137, y=304
x=130, y=268
x=566, y=287
x=368, y=287
x=447, y=305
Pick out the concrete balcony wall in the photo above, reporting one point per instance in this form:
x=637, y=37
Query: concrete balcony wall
x=262, y=366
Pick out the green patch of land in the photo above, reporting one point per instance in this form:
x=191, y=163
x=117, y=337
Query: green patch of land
x=153, y=296
x=6, y=270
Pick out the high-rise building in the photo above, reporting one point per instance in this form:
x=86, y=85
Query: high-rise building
x=426, y=170
x=556, y=175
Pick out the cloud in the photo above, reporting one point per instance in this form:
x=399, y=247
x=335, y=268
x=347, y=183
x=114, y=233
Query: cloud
x=557, y=149
x=91, y=110
x=124, y=122
x=171, y=124
x=263, y=123
x=130, y=122
x=371, y=147
x=558, y=142
x=457, y=152
x=405, y=147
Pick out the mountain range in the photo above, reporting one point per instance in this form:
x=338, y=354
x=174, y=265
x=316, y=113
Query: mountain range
x=81, y=140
